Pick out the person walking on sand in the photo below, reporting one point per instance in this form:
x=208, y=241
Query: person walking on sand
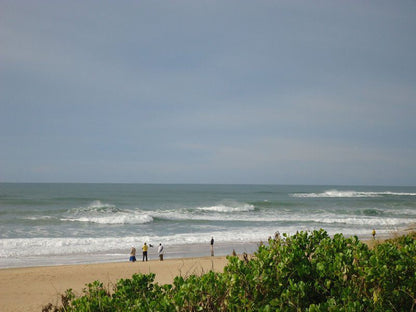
x=374, y=233
x=132, y=254
x=212, y=246
x=160, y=251
x=145, y=248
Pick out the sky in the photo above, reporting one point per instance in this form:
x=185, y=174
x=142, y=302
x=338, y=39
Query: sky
x=248, y=92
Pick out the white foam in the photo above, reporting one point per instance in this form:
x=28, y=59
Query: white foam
x=39, y=218
x=397, y=194
x=95, y=207
x=283, y=217
x=46, y=251
x=348, y=194
x=103, y=213
x=98, y=205
x=363, y=221
x=228, y=208
x=119, y=218
x=24, y=247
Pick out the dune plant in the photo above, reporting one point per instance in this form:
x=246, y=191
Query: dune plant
x=309, y=271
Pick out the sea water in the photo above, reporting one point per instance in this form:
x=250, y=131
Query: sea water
x=51, y=224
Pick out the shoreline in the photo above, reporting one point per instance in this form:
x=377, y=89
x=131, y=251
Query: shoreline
x=28, y=289
x=171, y=252
x=194, y=250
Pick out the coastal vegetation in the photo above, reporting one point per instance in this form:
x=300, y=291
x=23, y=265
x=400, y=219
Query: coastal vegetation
x=309, y=271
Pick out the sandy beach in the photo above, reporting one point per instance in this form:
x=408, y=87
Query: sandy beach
x=28, y=289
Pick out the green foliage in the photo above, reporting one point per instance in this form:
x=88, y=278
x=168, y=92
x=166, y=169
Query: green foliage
x=309, y=271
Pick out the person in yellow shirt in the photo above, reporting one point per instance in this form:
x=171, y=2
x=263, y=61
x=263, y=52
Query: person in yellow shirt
x=145, y=248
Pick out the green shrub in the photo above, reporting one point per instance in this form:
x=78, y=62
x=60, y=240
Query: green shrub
x=309, y=271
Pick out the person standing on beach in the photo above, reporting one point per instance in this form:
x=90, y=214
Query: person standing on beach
x=132, y=254
x=160, y=251
x=145, y=248
x=212, y=246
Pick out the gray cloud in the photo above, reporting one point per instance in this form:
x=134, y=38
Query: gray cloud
x=236, y=91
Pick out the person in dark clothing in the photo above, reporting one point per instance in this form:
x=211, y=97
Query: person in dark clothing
x=145, y=248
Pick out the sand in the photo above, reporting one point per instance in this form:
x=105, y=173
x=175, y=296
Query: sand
x=28, y=289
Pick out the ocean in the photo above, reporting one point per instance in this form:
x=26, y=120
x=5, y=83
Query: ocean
x=55, y=224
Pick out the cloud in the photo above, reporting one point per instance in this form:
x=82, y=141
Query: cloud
x=185, y=91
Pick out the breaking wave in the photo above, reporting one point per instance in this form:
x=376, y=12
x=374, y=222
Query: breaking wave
x=348, y=194
x=102, y=213
x=237, y=207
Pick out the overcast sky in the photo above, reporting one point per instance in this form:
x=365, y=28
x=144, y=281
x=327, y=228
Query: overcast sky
x=281, y=92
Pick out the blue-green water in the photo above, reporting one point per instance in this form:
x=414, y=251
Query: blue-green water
x=67, y=223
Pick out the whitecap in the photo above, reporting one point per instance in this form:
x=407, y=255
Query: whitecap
x=334, y=194
x=348, y=194
x=227, y=208
x=119, y=218
x=95, y=206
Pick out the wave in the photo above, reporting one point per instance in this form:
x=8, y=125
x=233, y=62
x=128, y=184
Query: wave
x=349, y=194
x=97, y=206
x=360, y=221
x=343, y=220
x=88, y=246
x=397, y=194
x=228, y=208
x=102, y=213
x=13, y=250
x=370, y=212
x=121, y=218
x=41, y=218
x=367, y=217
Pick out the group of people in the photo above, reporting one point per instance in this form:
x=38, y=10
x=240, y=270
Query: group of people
x=160, y=251
x=145, y=248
